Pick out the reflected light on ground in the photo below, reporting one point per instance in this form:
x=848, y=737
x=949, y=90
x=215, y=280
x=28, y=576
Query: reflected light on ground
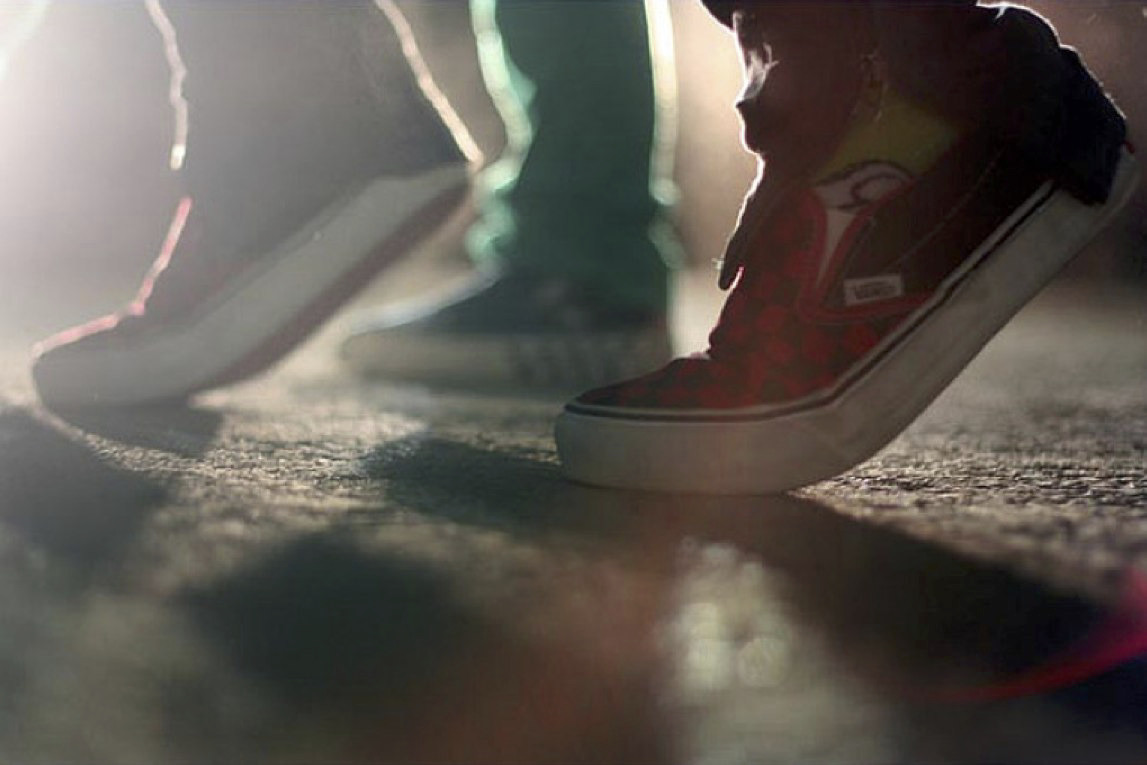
x=727, y=632
x=742, y=672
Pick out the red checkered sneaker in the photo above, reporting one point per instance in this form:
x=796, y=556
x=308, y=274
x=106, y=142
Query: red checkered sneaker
x=859, y=300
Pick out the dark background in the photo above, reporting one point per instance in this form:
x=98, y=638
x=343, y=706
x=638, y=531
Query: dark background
x=85, y=195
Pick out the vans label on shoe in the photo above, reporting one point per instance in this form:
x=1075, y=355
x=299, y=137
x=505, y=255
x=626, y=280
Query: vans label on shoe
x=872, y=289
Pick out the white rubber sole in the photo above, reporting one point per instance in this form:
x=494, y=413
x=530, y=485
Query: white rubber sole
x=268, y=309
x=770, y=449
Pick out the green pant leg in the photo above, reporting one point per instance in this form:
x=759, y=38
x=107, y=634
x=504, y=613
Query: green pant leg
x=573, y=195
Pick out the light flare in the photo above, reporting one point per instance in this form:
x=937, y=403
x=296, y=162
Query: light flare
x=26, y=20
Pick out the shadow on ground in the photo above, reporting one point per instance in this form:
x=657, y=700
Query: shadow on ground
x=186, y=431
x=61, y=497
x=377, y=659
x=680, y=614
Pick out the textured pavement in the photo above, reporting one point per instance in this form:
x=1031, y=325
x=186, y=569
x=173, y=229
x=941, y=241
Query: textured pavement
x=310, y=568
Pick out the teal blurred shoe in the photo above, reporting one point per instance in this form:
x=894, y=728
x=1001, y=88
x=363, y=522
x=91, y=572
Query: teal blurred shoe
x=513, y=329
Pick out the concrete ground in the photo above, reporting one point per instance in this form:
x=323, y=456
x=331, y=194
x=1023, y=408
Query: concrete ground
x=310, y=568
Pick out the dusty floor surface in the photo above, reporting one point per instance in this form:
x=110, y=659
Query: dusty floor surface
x=312, y=568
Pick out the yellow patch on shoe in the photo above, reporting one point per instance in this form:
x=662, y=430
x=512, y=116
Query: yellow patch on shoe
x=898, y=131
